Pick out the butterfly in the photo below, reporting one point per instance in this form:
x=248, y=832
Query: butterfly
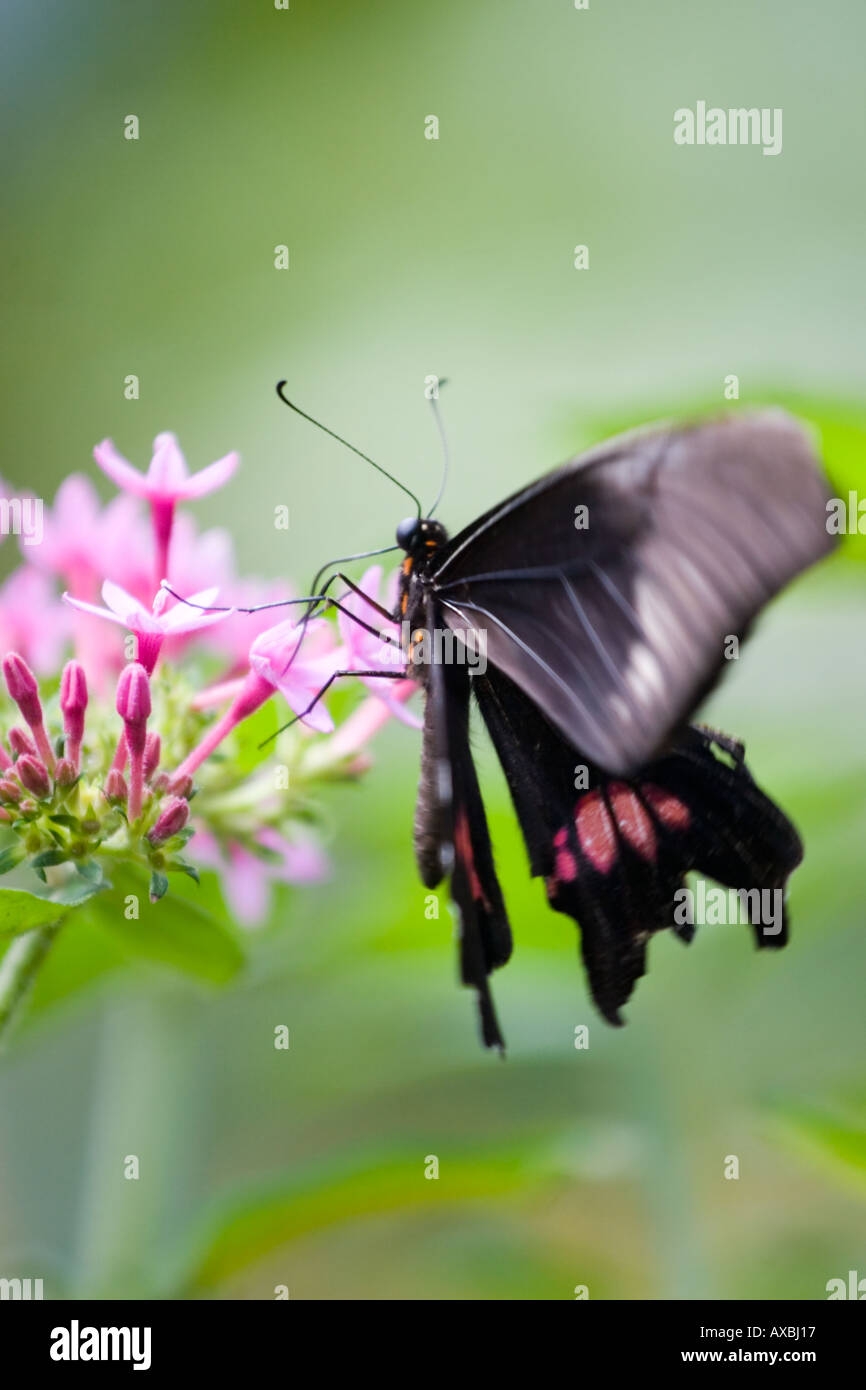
x=605, y=597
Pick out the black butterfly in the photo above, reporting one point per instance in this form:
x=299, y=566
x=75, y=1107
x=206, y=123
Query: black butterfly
x=604, y=594
x=603, y=598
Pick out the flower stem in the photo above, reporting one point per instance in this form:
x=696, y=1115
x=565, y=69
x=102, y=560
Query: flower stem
x=19, y=968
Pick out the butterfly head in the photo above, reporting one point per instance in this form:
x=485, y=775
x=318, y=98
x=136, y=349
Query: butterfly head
x=419, y=535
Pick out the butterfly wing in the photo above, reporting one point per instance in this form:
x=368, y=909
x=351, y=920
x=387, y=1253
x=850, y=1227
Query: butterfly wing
x=451, y=836
x=613, y=619
x=614, y=852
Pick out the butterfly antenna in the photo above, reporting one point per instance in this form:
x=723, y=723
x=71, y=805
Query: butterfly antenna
x=446, y=456
x=378, y=467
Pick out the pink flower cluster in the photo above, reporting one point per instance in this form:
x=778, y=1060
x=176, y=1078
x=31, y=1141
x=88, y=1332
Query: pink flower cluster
x=112, y=565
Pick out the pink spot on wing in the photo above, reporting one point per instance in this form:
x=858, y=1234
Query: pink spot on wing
x=565, y=864
x=670, y=810
x=464, y=852
x=633, y=820
x=595, y=831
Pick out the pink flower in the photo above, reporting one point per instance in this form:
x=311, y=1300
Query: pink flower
x=84, y=541
x=151, y=628
x=166, y=482
x=288, y=658
x=32, y=622
x=298, y=663
x=247, y=879
x=366, y=651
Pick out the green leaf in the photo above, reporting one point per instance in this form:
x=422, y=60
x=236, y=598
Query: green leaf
x=246, y=1228
x=90, y=869
x=21, y=911
x=11, y=856
x=75, y=891
x=174, y=932
x=836, y=1142
x=185, y=868
x=158, y=886
x=48, y=858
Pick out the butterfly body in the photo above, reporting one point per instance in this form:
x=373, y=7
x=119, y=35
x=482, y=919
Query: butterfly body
x=604, y=598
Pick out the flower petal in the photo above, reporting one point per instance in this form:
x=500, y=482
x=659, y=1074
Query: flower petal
x=119, y=470
x=128, y=608
x=93, y=608
x=210, y=478
x=168, y=474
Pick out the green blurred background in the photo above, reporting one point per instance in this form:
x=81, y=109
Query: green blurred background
x=409, y=257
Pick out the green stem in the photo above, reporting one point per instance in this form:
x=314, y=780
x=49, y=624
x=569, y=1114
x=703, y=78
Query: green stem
x=19, y=968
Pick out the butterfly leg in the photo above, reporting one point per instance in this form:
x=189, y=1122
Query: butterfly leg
x=726, y=742
x=335, y=675
x=323, y=598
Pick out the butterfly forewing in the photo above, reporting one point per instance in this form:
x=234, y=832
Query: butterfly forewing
x=607, y=591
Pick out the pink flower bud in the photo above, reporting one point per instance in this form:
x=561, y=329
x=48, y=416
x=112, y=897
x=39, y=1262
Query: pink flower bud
x=133, y=706
x=181, y=786
x=5, y=760
x=73, y=702
x=65, y=772
x=34, y=776
x=73, y=688
x=115, y=786
x=20, y=742
x=152, y=749
x=9, y=790
x=172, y=819
x=24, y=689
x=133, y=694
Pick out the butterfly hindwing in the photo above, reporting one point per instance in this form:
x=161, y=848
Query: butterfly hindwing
x=451, y=835
x=614, y=852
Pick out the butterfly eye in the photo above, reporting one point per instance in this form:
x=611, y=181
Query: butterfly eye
x=407, y=532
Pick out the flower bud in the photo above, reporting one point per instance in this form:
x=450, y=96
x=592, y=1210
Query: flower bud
x=152, y=749
x=34, y=776
x=172, y=819
x=115, y=787
x=9, y=790
x=20, y=742
x=133, y=706
x=65, y=772
x=73, y=703
x=24, y=689
x=133, y=694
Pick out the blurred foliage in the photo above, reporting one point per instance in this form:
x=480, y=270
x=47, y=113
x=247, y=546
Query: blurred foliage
x=155, y=1038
